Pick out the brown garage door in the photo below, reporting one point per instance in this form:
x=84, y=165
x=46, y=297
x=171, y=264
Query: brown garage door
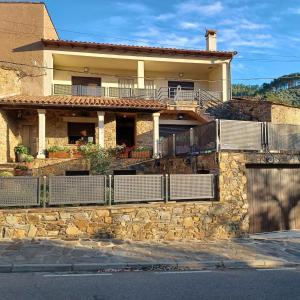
x=274, y=197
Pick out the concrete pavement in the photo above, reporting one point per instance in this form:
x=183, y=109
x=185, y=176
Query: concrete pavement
x=258, y=251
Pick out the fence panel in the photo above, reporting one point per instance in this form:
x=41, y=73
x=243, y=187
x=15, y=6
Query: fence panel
x=241, y=135
x=283, y=137
x=205, y=137
x=76, y=189
x=138, y=188
x=166, y=146
x=191, y=186
x=182, y=143
x=19, y=191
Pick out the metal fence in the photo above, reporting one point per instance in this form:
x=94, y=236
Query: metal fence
x=19, y=191
x=72, y=190
x=205, y=137
x=183, y=143
x=138, y=188
x=192, y=186
x=241, y=135
x=77, y=190
x=283, y=137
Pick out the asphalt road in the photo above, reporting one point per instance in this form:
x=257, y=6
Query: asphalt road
x=229, y=284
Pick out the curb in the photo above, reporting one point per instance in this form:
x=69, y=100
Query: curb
x=126, y=267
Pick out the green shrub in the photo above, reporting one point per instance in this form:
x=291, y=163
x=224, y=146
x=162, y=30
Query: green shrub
x=100, y=159
x=141, y=149
x=29, y=158
x=21, y=167
x=58, y=149
x=6, y=174
x=21, y=149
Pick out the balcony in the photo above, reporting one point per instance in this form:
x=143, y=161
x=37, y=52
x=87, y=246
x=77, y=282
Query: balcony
x=170, y=95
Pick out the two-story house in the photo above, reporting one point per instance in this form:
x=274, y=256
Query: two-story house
x=56, y=91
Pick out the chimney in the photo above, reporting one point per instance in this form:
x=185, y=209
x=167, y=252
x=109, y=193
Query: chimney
x=211, y=40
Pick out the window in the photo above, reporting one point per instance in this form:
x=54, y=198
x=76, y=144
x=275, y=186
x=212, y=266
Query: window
x=184, y=86
x=149, y=84
x=81, y=133
x=126, y=83
x=86, y=86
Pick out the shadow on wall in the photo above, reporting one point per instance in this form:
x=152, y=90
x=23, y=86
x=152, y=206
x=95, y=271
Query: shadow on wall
x=275, y=203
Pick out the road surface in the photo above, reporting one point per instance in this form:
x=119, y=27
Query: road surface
x=228, y=284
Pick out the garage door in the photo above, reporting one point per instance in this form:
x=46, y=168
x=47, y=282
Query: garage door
x=274, y=197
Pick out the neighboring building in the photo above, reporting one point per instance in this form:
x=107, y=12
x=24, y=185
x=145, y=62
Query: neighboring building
x=284, y=82
x=54, y=90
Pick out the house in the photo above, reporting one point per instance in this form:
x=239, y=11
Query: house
x=57, y=92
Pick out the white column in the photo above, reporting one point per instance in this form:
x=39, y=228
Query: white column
x=101, y=128
x=225, y=79
x=141, y=74
x=155, y=134
x=42, y=133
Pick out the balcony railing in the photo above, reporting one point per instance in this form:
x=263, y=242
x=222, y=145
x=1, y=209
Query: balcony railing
x=167, y=94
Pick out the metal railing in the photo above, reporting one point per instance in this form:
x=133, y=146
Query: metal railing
x=241, y=135
x=78, y=90
x=232, y=135
x=283, y=137
x=182, y=143
x=166, y=94
x=19, y=191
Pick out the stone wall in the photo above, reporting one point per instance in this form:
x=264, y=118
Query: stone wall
x=9, y=137
x=171, y=221
x=144, y=130
x=266, y=111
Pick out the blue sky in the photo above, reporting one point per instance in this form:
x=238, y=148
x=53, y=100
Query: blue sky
x=265, y=33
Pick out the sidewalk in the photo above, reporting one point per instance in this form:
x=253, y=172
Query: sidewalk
x=259, y=251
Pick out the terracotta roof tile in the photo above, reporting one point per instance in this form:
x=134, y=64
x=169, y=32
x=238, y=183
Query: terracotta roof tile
x=83, y=101
x=159, y=50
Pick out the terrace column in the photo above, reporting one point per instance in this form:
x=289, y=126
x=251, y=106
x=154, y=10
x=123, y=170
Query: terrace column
x=156, y=134
x=42, y=133
x=141, y=74
x=225, y=82
x=101, y=128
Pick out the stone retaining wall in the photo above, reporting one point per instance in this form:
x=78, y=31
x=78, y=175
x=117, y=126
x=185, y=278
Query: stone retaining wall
x=156, y=221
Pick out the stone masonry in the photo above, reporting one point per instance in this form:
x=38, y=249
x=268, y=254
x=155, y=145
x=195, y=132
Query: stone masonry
x=171, y=221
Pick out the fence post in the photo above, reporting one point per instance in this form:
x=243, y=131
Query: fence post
x=218, y=134
x=44, y=191
x=167, y=187
x=110, y=190
x=174, y=144
x=192, y=139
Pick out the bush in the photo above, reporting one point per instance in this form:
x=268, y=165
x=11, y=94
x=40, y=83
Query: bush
x=58, y=149
x=21, y=167
x=29, y=158
x=99, y=158
x=6, y=174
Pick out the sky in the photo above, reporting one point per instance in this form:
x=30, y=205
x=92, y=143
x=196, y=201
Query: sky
x=265, y=33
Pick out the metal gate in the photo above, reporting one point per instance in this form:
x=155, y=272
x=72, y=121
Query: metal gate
x=274, y=197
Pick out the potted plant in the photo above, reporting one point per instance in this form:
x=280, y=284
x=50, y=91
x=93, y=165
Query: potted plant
x=141, y=152
x=58, y=152
x=21, y=170
x=21, y=152
x=29, y=161
x=122, y=151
